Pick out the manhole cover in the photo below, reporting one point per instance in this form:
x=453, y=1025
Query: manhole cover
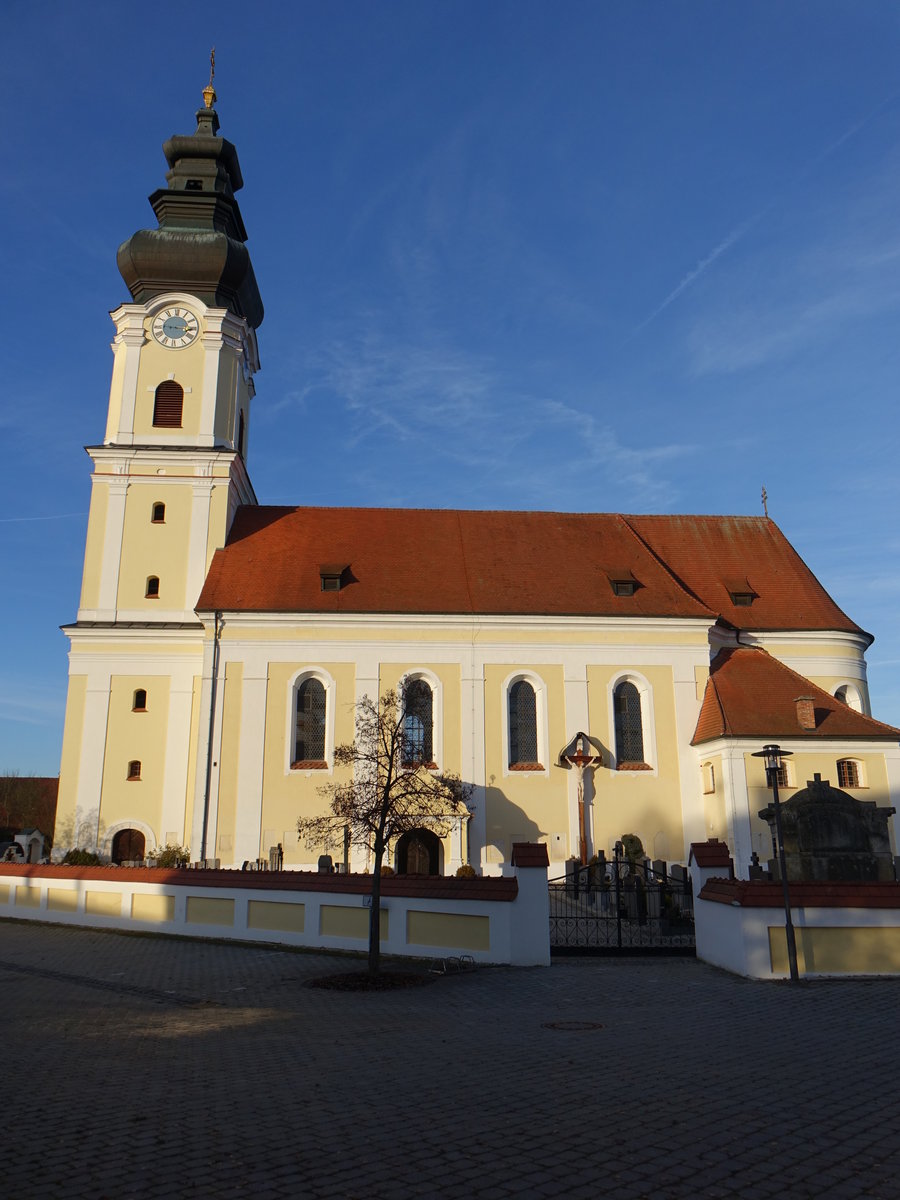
x=572, y=1026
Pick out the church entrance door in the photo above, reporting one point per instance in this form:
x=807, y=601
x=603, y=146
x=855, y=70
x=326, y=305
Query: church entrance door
x=128, y=846
x=418, y=853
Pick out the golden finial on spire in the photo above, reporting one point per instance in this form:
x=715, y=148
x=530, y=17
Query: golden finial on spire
x=209, y=92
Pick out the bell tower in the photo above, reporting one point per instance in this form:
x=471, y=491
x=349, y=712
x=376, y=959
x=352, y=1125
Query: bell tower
x=166, y=482
x=172, y=466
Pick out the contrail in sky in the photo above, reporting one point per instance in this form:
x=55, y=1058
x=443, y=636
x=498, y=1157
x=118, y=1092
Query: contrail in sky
x=742, y=230
x=54, y=517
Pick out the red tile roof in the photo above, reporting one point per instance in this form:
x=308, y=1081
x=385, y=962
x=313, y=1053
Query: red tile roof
x=762, y=893
x=751, y=694
x=711, y=853
x=529, y=563
x=530, y=854
x=714, y=556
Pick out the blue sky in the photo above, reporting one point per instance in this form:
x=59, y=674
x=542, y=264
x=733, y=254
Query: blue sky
x=638, y=257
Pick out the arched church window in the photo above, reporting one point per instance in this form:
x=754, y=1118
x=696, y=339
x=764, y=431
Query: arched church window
x=629, y=724
x=134, y=769
x=159, y=513
x=168, y=403
x=140, y=700
x=309, y=726
x=152, y=592
x=523, y=732
x=418, y=723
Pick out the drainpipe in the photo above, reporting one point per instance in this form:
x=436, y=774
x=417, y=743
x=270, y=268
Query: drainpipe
x=212, y=721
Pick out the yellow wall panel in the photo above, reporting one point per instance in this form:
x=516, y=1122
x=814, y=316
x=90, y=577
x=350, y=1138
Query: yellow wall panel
x=290, y=794
x=28, y=897
x=62, y=900
x=4, y=893
x=156, y=549
x=103, y=904
x=339, y=920
x=838, y=951
x=137, y=736
x=208, y=910
x=276, y=915
x=146, y=907
x=157, y=364
x=448, y=930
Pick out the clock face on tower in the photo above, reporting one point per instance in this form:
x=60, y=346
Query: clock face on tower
x=175, y=327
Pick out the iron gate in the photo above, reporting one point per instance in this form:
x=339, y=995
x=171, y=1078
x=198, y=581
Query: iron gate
x=623, y=910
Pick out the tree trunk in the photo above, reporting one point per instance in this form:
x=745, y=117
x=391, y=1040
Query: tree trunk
x=375, y=911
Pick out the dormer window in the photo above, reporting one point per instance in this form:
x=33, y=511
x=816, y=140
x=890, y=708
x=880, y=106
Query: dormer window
x=740, y=591
x=331, y=576
x=622, y=582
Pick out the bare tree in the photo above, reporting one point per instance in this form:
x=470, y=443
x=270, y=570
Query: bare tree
x=391, y=792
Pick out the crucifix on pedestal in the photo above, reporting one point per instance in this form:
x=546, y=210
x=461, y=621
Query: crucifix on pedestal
x=580, y=761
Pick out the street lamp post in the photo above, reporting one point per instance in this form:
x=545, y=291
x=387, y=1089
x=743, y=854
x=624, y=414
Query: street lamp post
x=772, y=755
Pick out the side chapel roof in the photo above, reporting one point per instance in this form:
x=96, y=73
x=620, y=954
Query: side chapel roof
x=518, y=563
x=751, y=694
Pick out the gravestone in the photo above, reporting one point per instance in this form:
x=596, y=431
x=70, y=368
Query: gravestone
x=830, y=836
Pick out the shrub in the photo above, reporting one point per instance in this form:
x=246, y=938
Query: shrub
x=466, y=871
x=632, y=846
x=386, y=870
x=170, y=856
x=82, y=858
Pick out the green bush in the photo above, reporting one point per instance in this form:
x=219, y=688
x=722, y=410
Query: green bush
x=170, y=856
x=466, y=871
x=633, y=847
x=82, y=858
x=386, y=870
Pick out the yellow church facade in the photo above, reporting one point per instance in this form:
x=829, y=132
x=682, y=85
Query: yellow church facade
x=221, y=647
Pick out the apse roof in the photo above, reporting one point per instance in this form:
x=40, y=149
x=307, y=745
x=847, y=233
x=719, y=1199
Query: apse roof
x=751, y=694
x=518, y=563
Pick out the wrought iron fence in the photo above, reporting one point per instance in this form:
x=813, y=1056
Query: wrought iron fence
x=621, y=908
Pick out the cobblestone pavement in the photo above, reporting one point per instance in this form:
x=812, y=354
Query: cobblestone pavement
x=143, y=1067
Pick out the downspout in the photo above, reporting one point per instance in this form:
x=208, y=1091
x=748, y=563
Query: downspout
x=212, y=721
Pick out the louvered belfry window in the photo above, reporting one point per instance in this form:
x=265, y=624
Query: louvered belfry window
x=629, y=728
x=418, y=723
x=523, y=741
x=168, y=404
x=309, y=744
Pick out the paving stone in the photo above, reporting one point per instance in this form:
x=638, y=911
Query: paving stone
x=125, y=1054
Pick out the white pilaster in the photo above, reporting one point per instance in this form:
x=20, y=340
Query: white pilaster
x=127, y=346
x=251, y=753
x=737, y=810
x=86, y=834
x=117, y=492
x=178, y=750
x=198, y=539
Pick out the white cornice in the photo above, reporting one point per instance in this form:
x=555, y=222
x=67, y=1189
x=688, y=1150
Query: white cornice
x=859, y=642
x=748, y=745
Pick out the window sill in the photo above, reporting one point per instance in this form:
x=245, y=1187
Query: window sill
x=532, y=766
x=633, y=766
x=427, y=766
x=309, y=764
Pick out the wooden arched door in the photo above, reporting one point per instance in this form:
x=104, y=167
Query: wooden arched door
x=128, y=846
x=418, y=853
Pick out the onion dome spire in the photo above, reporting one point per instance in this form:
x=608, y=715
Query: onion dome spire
x=199, y=245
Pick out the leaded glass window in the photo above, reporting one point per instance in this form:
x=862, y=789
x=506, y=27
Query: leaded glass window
x=629, y=727
x=309, y=742
x=418, y=722
x=523, y=739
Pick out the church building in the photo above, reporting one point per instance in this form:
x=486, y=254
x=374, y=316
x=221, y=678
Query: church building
x=221, y=646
